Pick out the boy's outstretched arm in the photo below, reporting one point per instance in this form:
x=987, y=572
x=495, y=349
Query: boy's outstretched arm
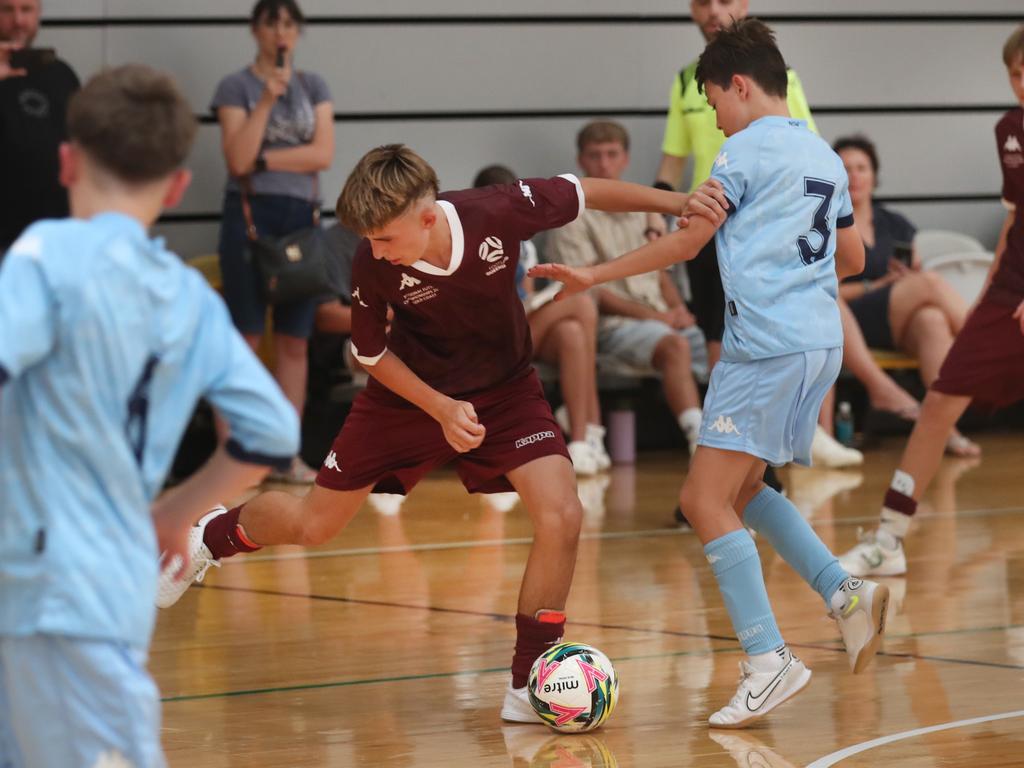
x=620, y=196
x=849, y=252
x=681, y=245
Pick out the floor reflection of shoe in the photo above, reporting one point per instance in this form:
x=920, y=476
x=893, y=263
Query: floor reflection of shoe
x=501, y=502
x=748, y=751
x=386, y=503
x=810, y=488
x=897, y=593
x=876, y=554
x=860, y=609
x=826, y=451
x=299, y=473
x=591, y=491
x=761, y=691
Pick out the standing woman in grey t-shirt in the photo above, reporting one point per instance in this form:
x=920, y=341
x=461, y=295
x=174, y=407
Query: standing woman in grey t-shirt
x=277, y=131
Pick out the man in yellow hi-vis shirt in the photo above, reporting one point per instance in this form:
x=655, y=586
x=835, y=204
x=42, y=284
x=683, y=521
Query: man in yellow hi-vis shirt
x=691, y=131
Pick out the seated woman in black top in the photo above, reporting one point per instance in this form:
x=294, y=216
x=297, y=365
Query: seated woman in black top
x=897, y=305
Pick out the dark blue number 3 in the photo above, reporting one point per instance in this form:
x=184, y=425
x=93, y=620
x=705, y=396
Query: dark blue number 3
x=138, y=410
x=823, y=189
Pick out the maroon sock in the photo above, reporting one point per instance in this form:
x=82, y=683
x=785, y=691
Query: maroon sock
x=533, y=637
x=900, y=502
x=224, y=536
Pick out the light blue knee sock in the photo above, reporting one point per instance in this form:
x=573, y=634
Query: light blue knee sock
x=737, y=569
x=773, y=516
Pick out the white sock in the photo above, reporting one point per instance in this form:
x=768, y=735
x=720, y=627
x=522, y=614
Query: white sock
x=689, y=422
x=902, y=482
x=595, y=434
x=769, y=662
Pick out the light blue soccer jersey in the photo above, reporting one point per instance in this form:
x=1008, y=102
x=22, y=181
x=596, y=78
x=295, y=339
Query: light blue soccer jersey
x=776, y=252
x=107, y=341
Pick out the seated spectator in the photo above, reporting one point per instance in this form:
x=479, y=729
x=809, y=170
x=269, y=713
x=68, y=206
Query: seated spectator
x=643, y=320
x=564, y=335
x=896, y=304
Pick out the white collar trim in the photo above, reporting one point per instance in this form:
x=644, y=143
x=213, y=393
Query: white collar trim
x=458, y=244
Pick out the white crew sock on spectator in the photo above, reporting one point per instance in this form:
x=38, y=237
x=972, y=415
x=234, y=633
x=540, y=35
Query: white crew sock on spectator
x=689, y=422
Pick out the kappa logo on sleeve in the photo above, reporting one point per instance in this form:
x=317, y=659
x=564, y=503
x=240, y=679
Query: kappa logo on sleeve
x=527, y=192
x=357, y=297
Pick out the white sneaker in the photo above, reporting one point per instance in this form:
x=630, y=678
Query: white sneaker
x=169, y=588
x=517, y=708
x=860, y=608
x=874, y=555
x=387, y=504
x=761, y=692
x=583, y=459
x=826, y=451
x=562, y=419
x=595, y=439
x=501, y=502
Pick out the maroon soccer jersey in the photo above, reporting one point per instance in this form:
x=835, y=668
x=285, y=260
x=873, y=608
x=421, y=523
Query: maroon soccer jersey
x=1008, y=282
x=461, y=329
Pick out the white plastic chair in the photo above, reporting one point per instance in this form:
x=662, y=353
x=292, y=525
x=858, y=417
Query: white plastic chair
x=966, y=272
x=937, y=243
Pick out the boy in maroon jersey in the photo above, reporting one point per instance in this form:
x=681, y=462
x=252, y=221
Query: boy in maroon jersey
x=450, y=381
x=985, y=363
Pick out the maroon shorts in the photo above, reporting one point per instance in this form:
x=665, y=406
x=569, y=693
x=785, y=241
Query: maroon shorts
x=986, y=361
x=392, y=444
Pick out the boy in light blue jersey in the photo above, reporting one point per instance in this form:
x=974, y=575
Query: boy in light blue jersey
x=107, y=341
x=784, y=230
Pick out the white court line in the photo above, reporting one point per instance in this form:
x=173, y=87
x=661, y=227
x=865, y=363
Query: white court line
x=856, y=749
x=651, y=533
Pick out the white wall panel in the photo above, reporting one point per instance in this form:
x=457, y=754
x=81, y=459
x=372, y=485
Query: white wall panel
x=81, y=47
x=189, y=239
x=190, y=8
x=462, y=68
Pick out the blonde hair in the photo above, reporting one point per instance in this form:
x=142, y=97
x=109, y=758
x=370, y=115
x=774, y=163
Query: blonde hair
x=1014, y=47
x=385, y=183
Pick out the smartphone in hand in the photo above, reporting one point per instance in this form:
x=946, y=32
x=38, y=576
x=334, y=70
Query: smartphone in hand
x=903, y=252
x=32, y=58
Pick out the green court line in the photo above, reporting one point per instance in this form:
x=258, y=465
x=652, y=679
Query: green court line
x=407, y=678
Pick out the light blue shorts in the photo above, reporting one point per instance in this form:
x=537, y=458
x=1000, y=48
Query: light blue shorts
x=769, y=408
x=76, y=703
x=633, y=342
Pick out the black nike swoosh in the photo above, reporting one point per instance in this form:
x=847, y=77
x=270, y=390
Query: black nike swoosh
x=767, y=691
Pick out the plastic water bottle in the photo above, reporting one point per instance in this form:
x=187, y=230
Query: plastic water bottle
x=844, y=424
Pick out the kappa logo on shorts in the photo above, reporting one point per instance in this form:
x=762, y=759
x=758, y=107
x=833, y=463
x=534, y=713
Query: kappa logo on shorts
x=112, y=760
x=408, y=282
x=491, y=249
x=535, y=438
x=331, y=462
x=723, y=425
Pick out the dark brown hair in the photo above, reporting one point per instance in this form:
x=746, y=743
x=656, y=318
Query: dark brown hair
x=602, y=132
x=270, y=10
x=384, y=184
x=747, y=47
x=494, y=174
x=858, y=142
x=134, y=122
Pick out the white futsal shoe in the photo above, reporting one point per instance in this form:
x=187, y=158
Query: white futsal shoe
x=169, y=588
x=517, y=708
x=584, y=461
x=595, y=439
x=877, y=553
x=828, y=452
x=760, y=692
x=860, y=608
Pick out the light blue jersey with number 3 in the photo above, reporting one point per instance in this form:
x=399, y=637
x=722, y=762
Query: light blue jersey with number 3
x=788, y=193
x=107, y=341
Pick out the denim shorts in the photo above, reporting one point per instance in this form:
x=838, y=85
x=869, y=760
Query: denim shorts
x=633, y=342
x=274, y=216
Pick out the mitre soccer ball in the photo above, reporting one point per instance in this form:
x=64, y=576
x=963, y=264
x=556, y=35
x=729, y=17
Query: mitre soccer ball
x=573, y=687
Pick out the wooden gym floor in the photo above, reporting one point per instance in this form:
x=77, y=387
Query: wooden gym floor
x=390, y=645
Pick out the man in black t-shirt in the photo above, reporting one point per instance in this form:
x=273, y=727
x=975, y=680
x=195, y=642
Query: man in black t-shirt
x=33, y=104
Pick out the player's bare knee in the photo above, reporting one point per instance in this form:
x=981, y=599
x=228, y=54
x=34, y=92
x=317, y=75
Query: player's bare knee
x=560, y=519
x=673, y=349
